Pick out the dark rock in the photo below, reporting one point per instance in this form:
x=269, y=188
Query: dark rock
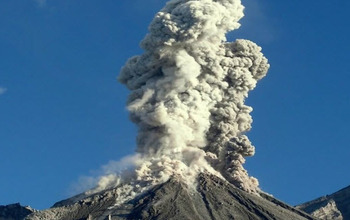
x=14, y=212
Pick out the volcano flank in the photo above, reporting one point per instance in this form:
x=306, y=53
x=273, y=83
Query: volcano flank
x=213, y=198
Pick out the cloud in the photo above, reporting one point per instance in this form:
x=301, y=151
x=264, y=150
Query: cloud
x=2, y=90
x=105, y=177
x=41, y=3
x=188, y=92
x=257, y=24
x=187, y=97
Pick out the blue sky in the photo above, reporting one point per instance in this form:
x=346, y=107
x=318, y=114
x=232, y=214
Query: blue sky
x=63, y=116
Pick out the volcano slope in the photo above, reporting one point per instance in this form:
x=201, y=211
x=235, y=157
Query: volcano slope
x=212, y=198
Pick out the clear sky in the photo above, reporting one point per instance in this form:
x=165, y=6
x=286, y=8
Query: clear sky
x=63, y=116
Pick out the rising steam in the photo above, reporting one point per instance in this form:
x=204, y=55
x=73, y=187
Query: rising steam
x=188, y=91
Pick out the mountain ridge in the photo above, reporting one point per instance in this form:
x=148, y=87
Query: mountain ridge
x=15, y=211
x=340, y=200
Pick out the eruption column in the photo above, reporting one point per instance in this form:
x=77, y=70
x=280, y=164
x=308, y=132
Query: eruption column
x=188, y=91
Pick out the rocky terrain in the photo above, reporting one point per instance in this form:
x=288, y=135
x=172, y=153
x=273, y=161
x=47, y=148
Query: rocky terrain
x=335, y=206
x=212, y=198
x=14, y=212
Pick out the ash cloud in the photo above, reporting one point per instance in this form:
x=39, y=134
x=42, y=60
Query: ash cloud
x=187, y=95
x=188, y=90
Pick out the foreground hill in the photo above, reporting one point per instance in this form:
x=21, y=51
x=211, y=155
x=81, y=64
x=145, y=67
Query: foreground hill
x=213, y=198
x=330, y=207
x=14, y=212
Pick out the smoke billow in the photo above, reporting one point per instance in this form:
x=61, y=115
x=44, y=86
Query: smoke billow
x=188, y=91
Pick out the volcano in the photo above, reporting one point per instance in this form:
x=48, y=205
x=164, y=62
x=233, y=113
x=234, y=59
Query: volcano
x=212, y=198
x=187, y=98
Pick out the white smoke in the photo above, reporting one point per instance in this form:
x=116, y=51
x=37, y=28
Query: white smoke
x=188, y=91
x=3, y=90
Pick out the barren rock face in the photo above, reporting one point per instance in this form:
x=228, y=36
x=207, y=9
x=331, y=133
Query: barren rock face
x=14, y=212
x=328, y=212
x=212, y=198
x=335, y=206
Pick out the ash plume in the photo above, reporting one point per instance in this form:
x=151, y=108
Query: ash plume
x=187, y=98
x=188, y=91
